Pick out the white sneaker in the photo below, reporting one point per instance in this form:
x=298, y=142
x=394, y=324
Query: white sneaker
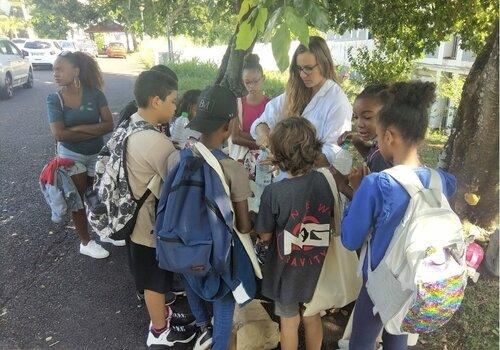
x=116, y=243
x=93, y=250
x=170, y=337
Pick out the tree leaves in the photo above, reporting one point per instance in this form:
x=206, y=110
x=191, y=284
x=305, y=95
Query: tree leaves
x=246, y=35
x=281, y=45
x=297, y=24
x=250, y=27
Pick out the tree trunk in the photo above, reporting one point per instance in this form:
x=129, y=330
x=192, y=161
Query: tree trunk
x=233, y=68
x=230, y=70
x=225, y=60
x=471, y=153
x=134, y=41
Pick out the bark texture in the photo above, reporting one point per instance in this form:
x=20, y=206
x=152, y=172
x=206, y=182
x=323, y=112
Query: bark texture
x=471, y=152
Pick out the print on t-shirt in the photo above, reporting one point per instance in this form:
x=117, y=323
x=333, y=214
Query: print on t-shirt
x=298, y=213
x=301, y=236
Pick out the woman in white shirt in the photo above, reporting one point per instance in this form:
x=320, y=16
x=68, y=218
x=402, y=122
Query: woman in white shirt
x=312, y=92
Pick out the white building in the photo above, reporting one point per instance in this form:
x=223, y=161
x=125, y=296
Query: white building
x=448, y=59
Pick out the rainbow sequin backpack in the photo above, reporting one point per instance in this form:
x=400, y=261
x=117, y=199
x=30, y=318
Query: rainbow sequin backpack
x=420, y=282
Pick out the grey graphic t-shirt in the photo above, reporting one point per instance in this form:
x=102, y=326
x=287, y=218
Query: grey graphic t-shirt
x=298, y=213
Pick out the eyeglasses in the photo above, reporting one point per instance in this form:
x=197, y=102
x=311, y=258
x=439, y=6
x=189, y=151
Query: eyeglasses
x=307, y=69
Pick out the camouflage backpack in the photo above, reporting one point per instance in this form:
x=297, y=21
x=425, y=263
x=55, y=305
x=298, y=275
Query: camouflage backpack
x=111, y=207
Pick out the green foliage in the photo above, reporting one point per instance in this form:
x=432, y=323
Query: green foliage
x=11, y=26
x=451, y=88
x=378, y=67
x=275, y=83
x=252, y=19
x=414, y=27
x=194, y=74
x=99, y=41
x=405, y=29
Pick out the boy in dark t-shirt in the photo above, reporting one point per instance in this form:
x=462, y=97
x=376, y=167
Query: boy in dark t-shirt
x=294, y=224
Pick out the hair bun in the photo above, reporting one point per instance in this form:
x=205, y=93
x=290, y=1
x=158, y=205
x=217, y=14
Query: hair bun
x=251, y=58
x=417, y=94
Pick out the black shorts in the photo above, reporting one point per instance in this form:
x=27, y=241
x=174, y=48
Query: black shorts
x=144, y=268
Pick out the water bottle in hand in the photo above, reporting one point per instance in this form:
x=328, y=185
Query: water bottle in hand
x=263, y=172
x=179, y=130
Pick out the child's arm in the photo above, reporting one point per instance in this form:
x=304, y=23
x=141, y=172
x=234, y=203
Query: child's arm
x=342, y=182
x=359, y=217
x=243, y=222
x=361, y=146
x=242, y=138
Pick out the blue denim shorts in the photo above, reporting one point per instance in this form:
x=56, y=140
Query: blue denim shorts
x=83, y=163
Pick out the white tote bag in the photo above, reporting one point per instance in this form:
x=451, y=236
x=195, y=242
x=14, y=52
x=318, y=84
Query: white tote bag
x=338, y=283
x=238, y=152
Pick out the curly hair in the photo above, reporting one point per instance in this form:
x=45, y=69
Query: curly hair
x=406, y=106
x=90, y=74
x=294, y=145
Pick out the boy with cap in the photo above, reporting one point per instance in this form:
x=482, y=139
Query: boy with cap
x=216, y=111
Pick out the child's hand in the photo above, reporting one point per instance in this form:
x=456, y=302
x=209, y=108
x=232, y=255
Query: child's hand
x=261, y=248
x=347, y=135
x=262, y=140
x=356, y=175
x=263, y=132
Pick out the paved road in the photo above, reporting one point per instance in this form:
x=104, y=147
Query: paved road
x=50, y=295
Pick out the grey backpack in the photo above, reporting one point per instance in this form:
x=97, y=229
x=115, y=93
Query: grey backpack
x=111, y=207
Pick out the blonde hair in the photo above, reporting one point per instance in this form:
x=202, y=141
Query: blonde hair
x=297, y=95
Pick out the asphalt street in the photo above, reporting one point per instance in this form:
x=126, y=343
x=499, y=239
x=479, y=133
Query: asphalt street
x=50, y=295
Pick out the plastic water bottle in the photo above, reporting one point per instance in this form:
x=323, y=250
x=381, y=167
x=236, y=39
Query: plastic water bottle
x=343, y=159
x=263, y=175
x=178, y=131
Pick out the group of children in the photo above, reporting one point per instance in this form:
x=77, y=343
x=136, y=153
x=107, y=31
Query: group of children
x=294, y=224
x=391, y=123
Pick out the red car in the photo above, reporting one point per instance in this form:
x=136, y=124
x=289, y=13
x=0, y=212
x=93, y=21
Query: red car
x=116, y=50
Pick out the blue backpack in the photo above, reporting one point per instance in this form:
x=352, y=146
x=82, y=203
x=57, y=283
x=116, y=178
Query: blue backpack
x=194, y=221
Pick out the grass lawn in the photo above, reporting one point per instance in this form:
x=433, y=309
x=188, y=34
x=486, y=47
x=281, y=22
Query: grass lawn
x=475, y=326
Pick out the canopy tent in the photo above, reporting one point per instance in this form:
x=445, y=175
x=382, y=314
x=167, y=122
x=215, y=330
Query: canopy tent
x=105, y=27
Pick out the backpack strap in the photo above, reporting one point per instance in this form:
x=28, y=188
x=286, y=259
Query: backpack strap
x=435, y=182
x=406, y=178
x=244, y=238
x=336, y=198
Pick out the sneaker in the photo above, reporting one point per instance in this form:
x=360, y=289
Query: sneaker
x=170, y=337
x=116, y=243
x=203, y=338
x=178, y=319
x=170, y=298
x=93, y=250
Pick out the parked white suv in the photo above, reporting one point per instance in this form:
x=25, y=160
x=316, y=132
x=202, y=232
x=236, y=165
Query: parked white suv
x=15, y=69
x=42, y=52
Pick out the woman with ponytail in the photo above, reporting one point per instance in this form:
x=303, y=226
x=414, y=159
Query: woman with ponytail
x=79, y=116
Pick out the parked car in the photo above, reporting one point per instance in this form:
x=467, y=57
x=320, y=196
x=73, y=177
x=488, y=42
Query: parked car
x=88, y=47
x=67, y=45
x=42, y=52
x=116, y=50
x=15, y=69
x=19, y=42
